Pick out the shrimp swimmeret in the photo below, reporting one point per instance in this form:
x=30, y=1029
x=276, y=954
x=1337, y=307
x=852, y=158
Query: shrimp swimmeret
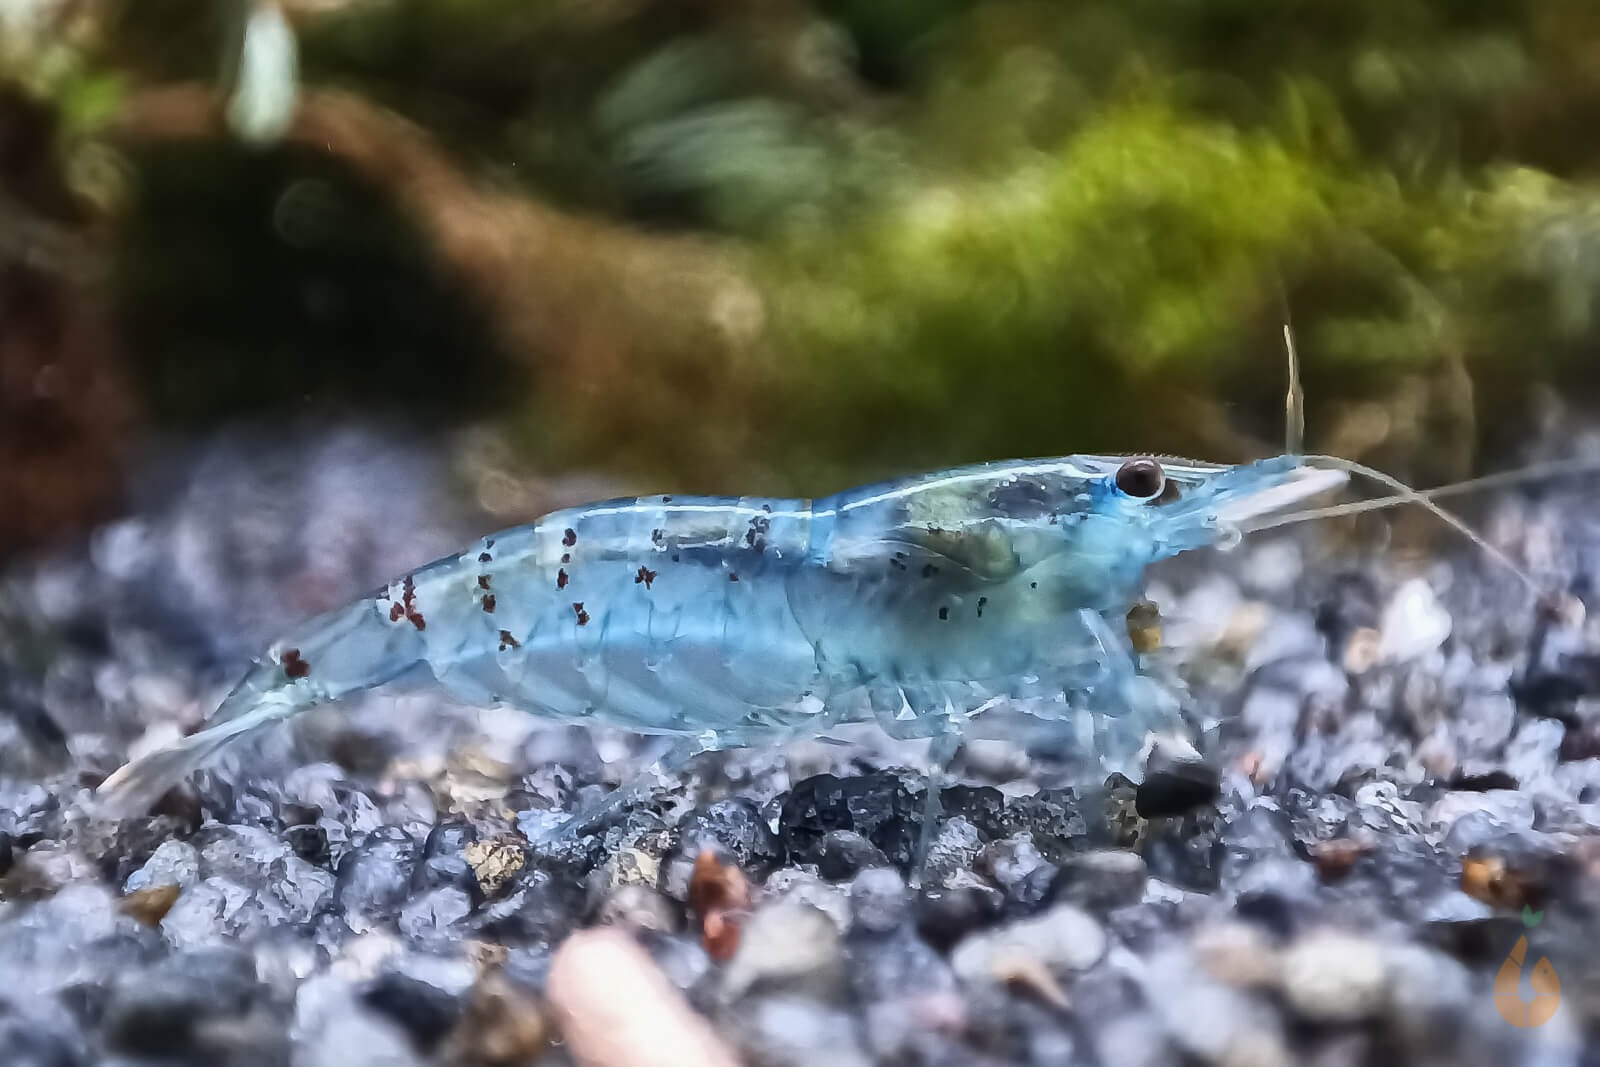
x=917, y=604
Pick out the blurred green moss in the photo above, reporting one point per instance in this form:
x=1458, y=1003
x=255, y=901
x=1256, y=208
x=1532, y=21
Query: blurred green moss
x=974, y=227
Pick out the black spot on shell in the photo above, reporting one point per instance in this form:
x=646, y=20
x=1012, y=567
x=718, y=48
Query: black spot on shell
x=484, y=557
x=569, y=538
x=944, y=613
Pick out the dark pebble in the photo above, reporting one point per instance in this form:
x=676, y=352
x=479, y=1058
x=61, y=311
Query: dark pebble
x=983, y=806
x=156, y=1011
x=444, y=861
x=309, y=842
x=1175, y=788
x=1187, y=853
x=1482, y=783
x=295, y=813
x=424, y=1011
x=879, y=807
x=945, y=916
x=1054, y=818
x=373, y=879
x=538, y=907
x=735, y=828
x=842, y=854
x=1099, y=881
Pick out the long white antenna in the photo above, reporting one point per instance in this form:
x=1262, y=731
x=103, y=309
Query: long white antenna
x=1294, y=405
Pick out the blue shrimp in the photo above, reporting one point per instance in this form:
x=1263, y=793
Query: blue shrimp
x=917, y=604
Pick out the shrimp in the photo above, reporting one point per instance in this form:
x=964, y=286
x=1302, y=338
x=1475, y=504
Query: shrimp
x=918, y=604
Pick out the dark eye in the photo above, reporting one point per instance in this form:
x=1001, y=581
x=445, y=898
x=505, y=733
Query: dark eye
x=1141, y=479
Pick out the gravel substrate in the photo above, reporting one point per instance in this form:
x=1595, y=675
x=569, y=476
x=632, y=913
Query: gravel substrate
x=1406, y=780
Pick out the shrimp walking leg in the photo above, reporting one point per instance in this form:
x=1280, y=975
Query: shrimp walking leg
x=942, y=750
x=667, y=762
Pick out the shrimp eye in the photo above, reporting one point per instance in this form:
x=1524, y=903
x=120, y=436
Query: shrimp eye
x=1142, y=479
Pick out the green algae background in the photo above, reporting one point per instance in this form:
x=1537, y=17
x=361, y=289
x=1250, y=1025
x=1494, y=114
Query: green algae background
x=783, y=246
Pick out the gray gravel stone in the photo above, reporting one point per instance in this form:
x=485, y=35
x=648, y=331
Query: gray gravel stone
x=173, y=863
x=1334, y=977
x=1063, y=937
x=789, y=947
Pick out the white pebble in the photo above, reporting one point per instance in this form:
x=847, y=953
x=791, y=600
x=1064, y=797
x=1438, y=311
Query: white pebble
x=1414, y=623
x=1334, y=977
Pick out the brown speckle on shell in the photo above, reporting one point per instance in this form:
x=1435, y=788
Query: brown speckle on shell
x=293, y=665
x=583, y=616
x=409, y=605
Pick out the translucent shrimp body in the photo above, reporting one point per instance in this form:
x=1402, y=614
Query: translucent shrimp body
x=731, y=622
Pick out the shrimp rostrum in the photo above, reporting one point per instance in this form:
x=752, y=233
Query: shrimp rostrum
x=917, y=604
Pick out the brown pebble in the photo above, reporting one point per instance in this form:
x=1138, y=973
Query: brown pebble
x=502, y=1026
x=1144, y=627
x=1334, y=859
x=616, y=1009
x=720, y=895
x=151, y=905
x=1496, y=882
x=1028, y=974
x=494, y=863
